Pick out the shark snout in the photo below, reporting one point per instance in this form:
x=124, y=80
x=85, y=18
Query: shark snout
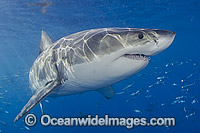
x=165, y=33
x=164, y=40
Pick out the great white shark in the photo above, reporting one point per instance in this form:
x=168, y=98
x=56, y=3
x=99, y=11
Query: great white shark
x=92, y=60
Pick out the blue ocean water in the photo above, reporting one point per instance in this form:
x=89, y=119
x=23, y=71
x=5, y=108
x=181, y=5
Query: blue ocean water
x=167, y=87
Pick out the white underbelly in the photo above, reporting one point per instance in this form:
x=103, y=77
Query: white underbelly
x=69, y=88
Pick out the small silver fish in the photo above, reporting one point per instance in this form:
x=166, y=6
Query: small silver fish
x=119, y=93
x=151, y=85
x=162, y=104
x=16, y=75
x=181, y=63
x=187, y=85
x=137, y=111
x=128, y=86
x=162, y=77
x=174, y=102
x=181, y=101
x=27, y=128
x=187, y=116
x=184, y=109
x=181, y=97
x=136, y=93
x=174, y=84
x=189, y=76
x=46, y=101
x=194, y=101
x=6, y=112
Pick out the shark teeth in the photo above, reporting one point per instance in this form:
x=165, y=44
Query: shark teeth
x=137, y=56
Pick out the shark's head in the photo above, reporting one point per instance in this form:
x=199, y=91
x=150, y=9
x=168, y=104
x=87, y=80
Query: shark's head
x=123, y=53
x=139, y=45
x=149, y=42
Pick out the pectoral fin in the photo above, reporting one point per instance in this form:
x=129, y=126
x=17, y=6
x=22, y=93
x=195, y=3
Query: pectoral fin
x=107, y=92
x=37, y=97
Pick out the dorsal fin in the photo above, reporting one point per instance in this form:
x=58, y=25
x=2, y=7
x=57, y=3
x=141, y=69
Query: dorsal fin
x=44, y=42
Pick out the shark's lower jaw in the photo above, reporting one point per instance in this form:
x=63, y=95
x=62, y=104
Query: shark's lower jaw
x=137, y=56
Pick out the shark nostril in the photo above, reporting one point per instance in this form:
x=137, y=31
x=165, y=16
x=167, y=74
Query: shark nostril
x=173, y=34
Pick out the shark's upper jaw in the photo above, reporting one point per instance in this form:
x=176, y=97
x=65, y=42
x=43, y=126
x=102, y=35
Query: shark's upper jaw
x=137, y=56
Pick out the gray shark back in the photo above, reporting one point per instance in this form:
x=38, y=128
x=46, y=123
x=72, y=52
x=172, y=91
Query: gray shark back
x=86, y=45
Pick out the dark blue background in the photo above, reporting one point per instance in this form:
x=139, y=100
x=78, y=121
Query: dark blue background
x=20, y=31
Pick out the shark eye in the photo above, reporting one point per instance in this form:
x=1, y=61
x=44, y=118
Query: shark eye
x=140, y=36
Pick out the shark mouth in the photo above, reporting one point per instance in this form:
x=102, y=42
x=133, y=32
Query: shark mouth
x=137, y=57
